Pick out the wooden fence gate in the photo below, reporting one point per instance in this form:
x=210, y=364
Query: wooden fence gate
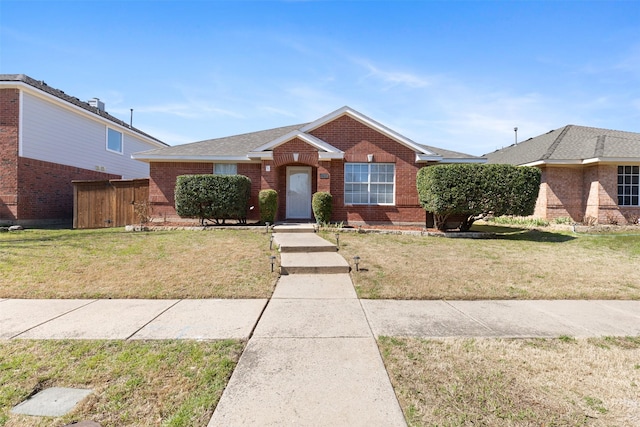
x=112, y=203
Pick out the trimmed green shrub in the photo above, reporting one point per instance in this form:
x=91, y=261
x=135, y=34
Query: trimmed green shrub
x=268, y=205
x=213, y=197
x=476, y=190
x=321, y=204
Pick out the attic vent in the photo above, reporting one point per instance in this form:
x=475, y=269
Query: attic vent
x=96, y=103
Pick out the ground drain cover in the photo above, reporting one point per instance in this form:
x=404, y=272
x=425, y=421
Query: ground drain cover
x=52, y=402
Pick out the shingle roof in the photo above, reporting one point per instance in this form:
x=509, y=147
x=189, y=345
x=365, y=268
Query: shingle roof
x=448, y=154
x=42, y=86
x=232, y=146
x=569, y=144
x=246, y=146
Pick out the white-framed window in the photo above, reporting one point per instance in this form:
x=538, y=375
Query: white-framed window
x=628, y=185
x=369, y=183
x=114, y=141
x=225, y=168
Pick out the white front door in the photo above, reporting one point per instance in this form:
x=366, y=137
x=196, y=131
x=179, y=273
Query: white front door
x=299, y=192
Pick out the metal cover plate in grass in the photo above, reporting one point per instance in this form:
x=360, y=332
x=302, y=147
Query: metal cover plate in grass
x=52, y=402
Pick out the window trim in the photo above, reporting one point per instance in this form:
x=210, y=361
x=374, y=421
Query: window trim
x=369, y=183
x=121, y=141
x=634, y=172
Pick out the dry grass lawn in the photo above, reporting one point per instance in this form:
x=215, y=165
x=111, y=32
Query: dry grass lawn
x=112, y=263
x=151, y=383
x=533, y=382
x=526, y=264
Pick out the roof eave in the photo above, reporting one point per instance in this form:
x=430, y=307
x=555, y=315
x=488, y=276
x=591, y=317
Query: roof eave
x=476, y=160
x=148, y=158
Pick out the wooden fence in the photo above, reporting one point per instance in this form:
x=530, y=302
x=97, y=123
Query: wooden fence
x=112, y=203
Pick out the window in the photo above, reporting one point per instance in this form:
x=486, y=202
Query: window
x=369, y=183
x=114, y=141
x=225, y=168
x=628, y=185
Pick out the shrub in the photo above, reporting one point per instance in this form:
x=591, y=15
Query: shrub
x=476, y=190
x=268, y=205
x=213, y=197
x=321, y=203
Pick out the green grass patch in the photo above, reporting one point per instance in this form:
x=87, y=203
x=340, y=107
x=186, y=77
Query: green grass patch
x=135, y=383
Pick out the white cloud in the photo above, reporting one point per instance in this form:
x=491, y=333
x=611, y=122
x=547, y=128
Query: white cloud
x=393, y=78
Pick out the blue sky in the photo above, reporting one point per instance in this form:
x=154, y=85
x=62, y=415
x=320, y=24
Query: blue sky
x=453, y=74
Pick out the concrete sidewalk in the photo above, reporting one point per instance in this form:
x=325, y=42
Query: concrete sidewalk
x=212, y=319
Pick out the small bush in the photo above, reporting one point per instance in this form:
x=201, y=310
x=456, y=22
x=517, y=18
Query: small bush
x=268, y=205
x=322, y=205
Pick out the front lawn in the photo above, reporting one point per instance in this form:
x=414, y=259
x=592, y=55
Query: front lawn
x=520, y=264
x=135, y=383
x=112, y=263
x=523, y=382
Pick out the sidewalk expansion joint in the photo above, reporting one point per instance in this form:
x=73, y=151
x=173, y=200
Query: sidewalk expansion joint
x=159, y=314
x=54, y=318
x=468, y=316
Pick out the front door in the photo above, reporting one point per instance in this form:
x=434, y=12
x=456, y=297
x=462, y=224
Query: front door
x=299, y=192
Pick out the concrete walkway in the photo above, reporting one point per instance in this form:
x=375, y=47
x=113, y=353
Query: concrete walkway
x=313, y=359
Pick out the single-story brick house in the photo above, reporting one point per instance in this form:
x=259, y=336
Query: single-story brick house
x=588, y=174
x=48, y=139
x=368, y=168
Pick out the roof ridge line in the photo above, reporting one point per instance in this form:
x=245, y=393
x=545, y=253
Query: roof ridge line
x=555, y=143
x=599, y=151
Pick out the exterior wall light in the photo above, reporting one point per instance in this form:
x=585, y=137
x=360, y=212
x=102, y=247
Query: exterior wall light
x=273, y=262
x=356, y=259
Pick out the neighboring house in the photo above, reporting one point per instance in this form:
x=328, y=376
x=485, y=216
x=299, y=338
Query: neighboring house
x=48, y=139
x=368, y=168
x=588, y=174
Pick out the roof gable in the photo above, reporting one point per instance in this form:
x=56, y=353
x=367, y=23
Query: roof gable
x=367, y=121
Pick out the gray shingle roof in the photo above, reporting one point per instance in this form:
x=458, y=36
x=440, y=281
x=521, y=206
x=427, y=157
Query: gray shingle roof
x=571, y=143
x=448, y=154
x=232, y=146
x=41, y=85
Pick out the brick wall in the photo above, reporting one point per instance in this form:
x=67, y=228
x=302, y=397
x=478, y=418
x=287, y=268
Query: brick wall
x=582, y=193
x=563, y=193
x=162, y=184
x=9, y=121
x=357, y=141
x=45, y=189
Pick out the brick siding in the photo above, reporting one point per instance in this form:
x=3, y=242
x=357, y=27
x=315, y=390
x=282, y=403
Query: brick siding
x=9, y=121
x=46, y=191
x=357, y=141
x=162, y=184
x=582, y=193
